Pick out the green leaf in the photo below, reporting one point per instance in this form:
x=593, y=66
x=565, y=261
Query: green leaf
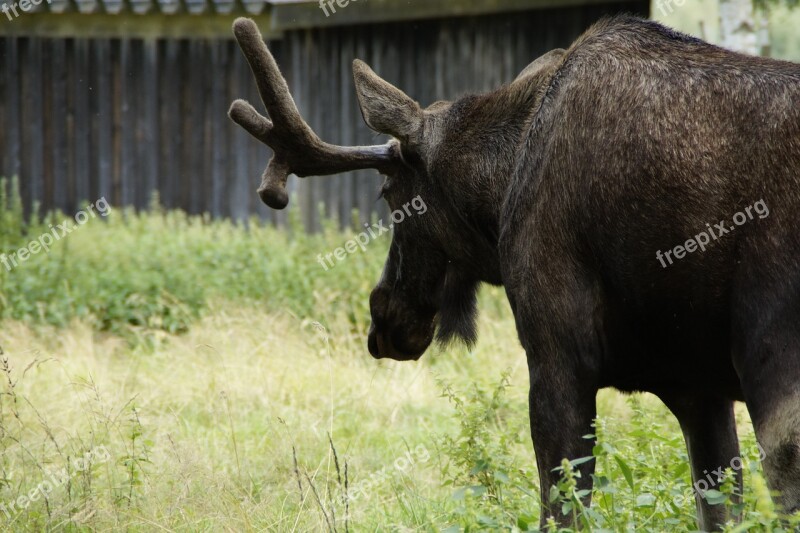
x=481, y=466
x=715, y=497
x=475, y=490
x=645, y=500
x=626, y=471
x=555, y=494
x=681, y=469
x=566, y=508
x=526, y=522
x=487, y=521
x=581, y=460
x=604, y=485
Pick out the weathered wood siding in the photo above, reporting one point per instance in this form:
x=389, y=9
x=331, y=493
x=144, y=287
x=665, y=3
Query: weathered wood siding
x=121, y=118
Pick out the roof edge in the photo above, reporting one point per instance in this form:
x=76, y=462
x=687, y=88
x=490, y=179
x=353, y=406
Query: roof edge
x=153, y=26
x=303, y=14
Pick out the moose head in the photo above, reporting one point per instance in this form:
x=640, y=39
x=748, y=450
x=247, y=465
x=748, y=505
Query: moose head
x=457, y=156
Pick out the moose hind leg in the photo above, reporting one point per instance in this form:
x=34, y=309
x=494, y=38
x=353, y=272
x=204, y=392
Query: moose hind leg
x=709, y=428
x=767, y=359
x=562, y=414
x=778, y=433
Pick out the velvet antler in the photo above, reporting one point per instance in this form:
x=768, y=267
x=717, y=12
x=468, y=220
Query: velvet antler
x=297, y=149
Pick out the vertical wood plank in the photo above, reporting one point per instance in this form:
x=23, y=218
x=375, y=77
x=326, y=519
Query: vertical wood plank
x=150, y=135
x=316, y=101
x=126, y=129
x=205, y=149
x=169, y=113
x=347, y=117
x=32, y=169
x=185, y=194
x=5, y=89
x=193, y=119
x=218, y=127
x=116, y=122
x=11, y=166
x=48, y=132
x=103, y=138
x=330, y=98
x=239, y=78
x=82, y=123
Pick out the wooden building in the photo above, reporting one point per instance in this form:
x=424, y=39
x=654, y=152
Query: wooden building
x=120, y=98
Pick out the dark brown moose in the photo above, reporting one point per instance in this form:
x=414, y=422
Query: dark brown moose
x=592, y=188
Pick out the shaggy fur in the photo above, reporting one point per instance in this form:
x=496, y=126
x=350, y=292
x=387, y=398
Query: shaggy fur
x=458, y=311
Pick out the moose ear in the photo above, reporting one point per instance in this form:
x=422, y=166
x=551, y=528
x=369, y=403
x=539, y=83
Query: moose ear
x=386, y=109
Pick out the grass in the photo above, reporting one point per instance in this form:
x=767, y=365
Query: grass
x=213, y=377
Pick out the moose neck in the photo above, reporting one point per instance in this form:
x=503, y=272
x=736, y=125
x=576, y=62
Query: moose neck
x=479, y=160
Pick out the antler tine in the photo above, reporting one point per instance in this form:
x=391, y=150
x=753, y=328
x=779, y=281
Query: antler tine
x=297, y=149
x=271, y=84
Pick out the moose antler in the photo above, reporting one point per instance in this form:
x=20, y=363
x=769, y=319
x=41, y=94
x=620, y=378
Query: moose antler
x=297, y=149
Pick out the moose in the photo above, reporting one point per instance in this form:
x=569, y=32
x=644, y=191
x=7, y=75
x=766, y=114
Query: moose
x=564, y=186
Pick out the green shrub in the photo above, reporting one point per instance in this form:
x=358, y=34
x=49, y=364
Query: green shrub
x=144, y=274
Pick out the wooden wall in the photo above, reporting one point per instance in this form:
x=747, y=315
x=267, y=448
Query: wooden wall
x=121, y=118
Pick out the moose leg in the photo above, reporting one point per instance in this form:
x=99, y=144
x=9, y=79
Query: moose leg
x=770, y=375
x=560, y=314
x=777, y=425
x=709, y=428
x=562, y=412
x=766, y=356
x=564, y=358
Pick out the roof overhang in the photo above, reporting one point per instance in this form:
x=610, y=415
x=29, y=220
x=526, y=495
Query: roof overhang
x=298, y=14
x=107, y=26
x=213, y=18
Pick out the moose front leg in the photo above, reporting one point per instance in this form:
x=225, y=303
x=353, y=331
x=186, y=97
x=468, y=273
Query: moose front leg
x=562, y=410
x=559, y=319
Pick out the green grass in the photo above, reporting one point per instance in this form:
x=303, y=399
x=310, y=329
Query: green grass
x=225, y=375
